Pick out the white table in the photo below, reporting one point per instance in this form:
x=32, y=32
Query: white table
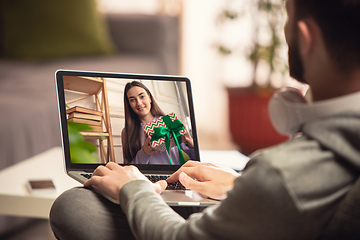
x=16, y=200
x=225, y=158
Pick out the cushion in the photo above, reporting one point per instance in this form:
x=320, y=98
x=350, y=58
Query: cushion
x=38, y=29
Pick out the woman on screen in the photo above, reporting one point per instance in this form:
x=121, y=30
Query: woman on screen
x=141, y=108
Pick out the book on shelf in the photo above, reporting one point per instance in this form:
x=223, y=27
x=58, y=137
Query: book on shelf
x=83, y=110
x=85, y=116
x=95, y=129
x=85, y=121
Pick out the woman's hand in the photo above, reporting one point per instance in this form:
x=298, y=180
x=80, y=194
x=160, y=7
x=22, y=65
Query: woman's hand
x=109, y=179
x=205, y=178
x=188, y=139
x=147, y=147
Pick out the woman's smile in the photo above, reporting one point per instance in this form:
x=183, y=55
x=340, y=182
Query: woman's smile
x=141, y=108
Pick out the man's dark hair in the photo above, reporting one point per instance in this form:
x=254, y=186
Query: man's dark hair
x=339, y=21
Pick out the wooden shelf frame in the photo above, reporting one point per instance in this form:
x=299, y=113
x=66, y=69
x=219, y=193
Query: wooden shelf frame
x=95, y=87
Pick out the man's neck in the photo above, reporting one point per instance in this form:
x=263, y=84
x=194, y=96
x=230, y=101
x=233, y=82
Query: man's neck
x=336, y=85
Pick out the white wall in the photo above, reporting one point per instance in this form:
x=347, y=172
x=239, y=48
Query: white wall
x=208, y=71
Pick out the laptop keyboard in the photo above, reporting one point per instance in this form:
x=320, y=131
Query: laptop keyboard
x=171, y=186
x=87, y=175
x=153, y=178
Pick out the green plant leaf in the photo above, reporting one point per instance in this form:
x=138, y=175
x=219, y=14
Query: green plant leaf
x=81, y=151
x=81, y=155
x=224, y=50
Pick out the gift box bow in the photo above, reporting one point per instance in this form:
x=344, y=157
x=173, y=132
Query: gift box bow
x=171, y=128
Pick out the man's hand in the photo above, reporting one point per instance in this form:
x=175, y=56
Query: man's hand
x=205, y=178
x=109, y=179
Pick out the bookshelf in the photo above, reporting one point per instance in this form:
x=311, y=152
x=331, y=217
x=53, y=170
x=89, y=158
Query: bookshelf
x=95, y=87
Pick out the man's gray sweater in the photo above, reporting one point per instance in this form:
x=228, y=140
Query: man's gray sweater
x=289, y=191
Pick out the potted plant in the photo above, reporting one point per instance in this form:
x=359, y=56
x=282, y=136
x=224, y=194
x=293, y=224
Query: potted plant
x=250, y=125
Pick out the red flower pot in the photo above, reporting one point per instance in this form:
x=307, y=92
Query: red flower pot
x=250, y=124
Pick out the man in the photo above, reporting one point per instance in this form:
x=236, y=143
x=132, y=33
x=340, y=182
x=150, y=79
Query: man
x=289, y=191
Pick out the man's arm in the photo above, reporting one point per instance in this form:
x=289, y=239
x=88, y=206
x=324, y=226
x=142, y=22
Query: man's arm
x=258, y=207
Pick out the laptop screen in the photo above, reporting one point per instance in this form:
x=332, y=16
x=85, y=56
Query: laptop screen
x=143, y=120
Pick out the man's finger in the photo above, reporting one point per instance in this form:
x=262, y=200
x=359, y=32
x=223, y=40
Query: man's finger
x=175, y=176
x=190, y=183
x=191, y=168
x=101, y=171
x=160, y=186
x=112, y=165
x=92, y=181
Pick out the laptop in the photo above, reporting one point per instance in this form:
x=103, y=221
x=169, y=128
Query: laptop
x=92, y=121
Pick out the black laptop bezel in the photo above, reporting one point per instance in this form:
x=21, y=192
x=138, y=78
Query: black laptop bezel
x=63, y=119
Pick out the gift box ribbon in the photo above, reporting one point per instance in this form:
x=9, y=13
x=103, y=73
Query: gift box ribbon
x=172, y=128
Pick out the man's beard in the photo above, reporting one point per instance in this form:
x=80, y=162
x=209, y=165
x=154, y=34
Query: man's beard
x=296, y=66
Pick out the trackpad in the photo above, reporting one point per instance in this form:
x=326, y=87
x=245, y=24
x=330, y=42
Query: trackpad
x=186, y=198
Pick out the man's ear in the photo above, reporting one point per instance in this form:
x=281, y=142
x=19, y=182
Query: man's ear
x=306, y=38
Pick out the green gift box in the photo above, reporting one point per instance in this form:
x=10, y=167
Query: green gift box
x=166, y=132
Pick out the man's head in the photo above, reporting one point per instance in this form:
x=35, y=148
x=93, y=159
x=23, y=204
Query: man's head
x=339, y=21
x=322, y=34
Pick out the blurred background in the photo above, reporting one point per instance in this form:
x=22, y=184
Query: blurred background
x=233, y=51
x=215, y=43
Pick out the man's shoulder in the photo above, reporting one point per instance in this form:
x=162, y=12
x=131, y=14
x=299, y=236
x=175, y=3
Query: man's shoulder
x=307, y=170
x=299, y=149
x=299, y=158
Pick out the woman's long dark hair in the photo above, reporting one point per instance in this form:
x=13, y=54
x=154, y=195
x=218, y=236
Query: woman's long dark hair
x=132, y=132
